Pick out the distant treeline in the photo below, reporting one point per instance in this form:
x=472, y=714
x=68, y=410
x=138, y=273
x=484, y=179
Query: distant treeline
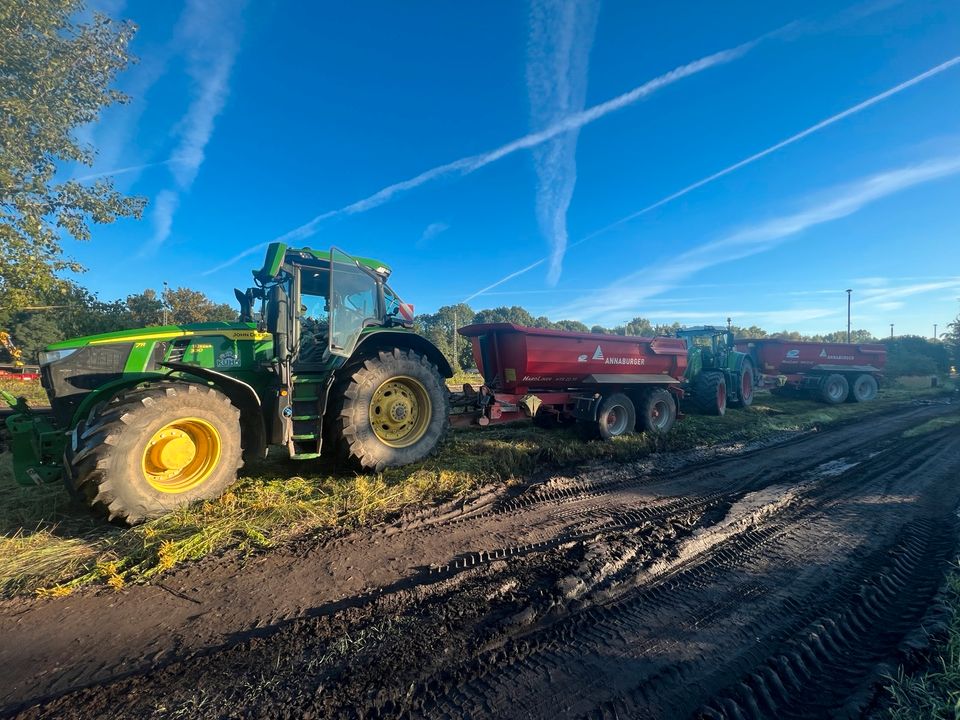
x=78, y=312
x=906, y=355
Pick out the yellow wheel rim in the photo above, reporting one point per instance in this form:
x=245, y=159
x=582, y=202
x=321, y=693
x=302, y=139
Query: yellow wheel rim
x=400, y=411
x=181, y=455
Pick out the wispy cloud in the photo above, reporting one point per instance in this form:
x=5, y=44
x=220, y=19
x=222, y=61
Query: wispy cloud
x=164, y=206
x=431, y=231
x=627, y=292
x=558, y=56
x=467, y=165
x=859, y=107
x=208, y=33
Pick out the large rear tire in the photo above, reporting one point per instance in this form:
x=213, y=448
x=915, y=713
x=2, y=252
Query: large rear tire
x=744, y=385
x=616, y=416
x=863, y=389
x=151, y=450
x=710, y=393
x=657, y=412
x=393, y=410
x=834, y=389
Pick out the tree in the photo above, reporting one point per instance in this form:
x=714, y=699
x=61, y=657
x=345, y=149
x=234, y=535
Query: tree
x=514, y=314
x=55, y=76
x=145, y=308
x=192, y=306
x=441, y=328
x=571, y=326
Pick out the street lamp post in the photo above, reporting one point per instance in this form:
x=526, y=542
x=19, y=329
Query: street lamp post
x=891, y=331
x=849, y=292
x=934, y=331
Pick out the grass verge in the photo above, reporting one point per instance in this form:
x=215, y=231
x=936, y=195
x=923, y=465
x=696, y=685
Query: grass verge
x=30, y=389
x=50, y=547
x=933, y=693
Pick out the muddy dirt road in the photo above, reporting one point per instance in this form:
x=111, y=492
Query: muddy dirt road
x=779, y=581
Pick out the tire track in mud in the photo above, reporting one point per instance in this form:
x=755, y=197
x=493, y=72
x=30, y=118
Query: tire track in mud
x=586, y=566
x=618, y=630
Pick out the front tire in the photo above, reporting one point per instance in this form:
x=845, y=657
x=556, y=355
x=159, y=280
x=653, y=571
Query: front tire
x=394, y=410
x=745, y=386
x=710, y=393
x=151, y=450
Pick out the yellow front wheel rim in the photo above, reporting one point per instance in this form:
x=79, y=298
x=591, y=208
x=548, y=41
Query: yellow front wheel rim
x=400, y=411
x=181, y=455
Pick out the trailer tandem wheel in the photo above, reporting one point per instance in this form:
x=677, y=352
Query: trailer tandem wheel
x=657, y=412
x=863, y=388
x=616, y=416
x=834, y=389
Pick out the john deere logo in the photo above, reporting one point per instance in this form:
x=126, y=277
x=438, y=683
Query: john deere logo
x=598, y=353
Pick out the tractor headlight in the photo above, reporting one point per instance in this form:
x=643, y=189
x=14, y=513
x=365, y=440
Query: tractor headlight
x=51, y=356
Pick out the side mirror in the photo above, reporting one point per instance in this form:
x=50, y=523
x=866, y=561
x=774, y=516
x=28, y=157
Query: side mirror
x=246, y=304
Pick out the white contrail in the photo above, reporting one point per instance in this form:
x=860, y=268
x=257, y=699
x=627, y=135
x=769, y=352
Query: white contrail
x=558, y=57
x=122, y=171
x=843, y=201
x=467, y=165
x=208, y=32
x=746, y=161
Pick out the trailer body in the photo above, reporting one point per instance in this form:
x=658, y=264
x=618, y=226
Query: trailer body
x=555, y=376
x=833, y=372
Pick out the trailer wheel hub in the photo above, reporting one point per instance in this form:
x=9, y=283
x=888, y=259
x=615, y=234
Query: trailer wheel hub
x=400, y=411
x=181, y=455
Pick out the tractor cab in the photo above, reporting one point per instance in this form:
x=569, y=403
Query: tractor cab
x=717, y=374
x=711, y=344
x=319, y=306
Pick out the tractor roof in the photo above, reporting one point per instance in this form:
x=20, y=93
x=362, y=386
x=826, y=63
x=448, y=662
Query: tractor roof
x=277, y=253
x=702, y=329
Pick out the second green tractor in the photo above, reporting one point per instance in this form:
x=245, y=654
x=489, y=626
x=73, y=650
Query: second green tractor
x=717, y=375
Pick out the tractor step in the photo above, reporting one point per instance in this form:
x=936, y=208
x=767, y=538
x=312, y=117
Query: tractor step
x=305, y=436
x=305, y=398
x=305, y=456
x=305, y=417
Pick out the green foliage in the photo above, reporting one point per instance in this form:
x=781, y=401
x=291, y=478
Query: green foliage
x=514, y=314
x=915, y=355
x=55, y=76
x=441, y=329
x=933, y=694
x=145, y=308
x=192, y=306
x=951, y=339
x=73, y=311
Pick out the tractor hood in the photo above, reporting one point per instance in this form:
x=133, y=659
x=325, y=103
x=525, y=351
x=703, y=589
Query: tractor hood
x=235, y=330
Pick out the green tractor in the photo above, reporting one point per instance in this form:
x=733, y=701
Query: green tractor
x=145, y=421
x=717, y=375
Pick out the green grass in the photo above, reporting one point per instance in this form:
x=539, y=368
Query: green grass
x=49, y=546
x=932, y=693
x=30, y=389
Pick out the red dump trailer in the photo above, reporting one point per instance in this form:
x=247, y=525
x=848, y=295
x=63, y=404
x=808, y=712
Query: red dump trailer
x=832, y=372
x=608, y=384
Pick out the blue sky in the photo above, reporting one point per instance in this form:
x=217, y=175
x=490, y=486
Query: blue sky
x=600, y=161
